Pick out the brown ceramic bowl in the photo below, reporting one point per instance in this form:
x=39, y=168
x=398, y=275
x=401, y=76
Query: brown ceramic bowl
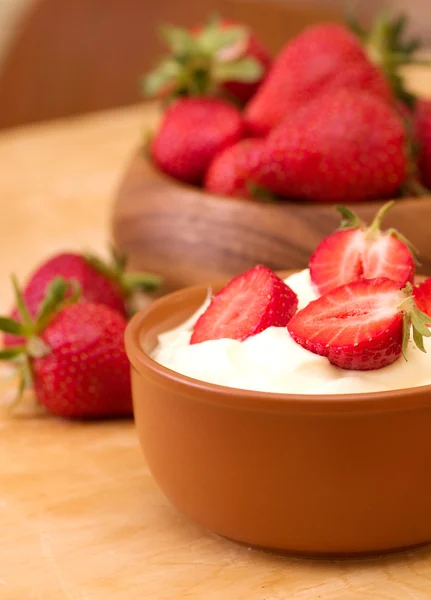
x=337, y=475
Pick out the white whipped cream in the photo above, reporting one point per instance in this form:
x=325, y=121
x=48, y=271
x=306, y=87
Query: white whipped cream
x=272, y=361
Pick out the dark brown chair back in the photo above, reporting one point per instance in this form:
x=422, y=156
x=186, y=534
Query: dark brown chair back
x=75, y=56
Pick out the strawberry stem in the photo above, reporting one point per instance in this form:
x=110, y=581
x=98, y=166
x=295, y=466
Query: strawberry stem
x=388, y=47
x=381, y=214
x=23, y=311
x=261, y=193
x=54, y=296
x=413, y=187
x=349, y=219
x=25, y=382
x=128, y=282
x=406, y=334
x=13, y=352
x=201, y=60
x=8, y=325
x=143, y=281
x=414, y=251
x=36, y=347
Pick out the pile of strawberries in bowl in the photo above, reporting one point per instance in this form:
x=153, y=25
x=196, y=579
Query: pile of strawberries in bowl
x=327, y=120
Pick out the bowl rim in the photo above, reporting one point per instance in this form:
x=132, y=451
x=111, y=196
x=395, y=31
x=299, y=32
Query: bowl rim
x=384, y=401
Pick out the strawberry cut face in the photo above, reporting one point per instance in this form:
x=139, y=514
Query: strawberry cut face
x=247, y=305
x=361, y=252
x=357, y=326
x=387, y=256
x=337, y=260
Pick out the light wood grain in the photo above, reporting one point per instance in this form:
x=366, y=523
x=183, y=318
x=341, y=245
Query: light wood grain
x=81, y=518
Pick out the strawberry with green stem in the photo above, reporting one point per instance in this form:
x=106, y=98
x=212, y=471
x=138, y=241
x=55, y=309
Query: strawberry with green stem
x=363, y=325
x=220, y=58
x=72, y=355
x=100, y=282
x=388, y=46
x=356, y=251
x=327, y=57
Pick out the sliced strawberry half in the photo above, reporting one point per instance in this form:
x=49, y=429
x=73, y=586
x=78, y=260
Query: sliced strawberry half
x=363, y=325
x=248, y=304
x=357, y=251
x=422, y=294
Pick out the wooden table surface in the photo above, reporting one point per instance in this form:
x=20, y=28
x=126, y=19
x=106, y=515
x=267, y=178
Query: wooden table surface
x=81, y=518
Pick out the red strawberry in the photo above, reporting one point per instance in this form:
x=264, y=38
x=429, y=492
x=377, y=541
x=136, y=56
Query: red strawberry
x=346, y=146
x=359, y=252
x=220, y=57
x=423, y=136
x=363, y=325
x=248, y=304
x=74, y=357
x=323, y=58
x=99, y=282
x=422, y=294
x=193, y=131
x=231, y=172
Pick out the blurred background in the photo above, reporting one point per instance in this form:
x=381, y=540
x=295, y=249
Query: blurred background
x=66, y=57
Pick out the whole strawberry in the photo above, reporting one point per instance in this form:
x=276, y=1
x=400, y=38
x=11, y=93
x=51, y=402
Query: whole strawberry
x=363, y=325
x=327, y=57
x=231, y=173
x=347, y=146
x=221, y=57
x=73, y=356
x=193, y=131
x=423, y=136
x=356, y=251
x=99, y=282
x=321, y=59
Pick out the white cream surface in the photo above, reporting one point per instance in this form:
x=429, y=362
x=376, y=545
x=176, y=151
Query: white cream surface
x=272, y=361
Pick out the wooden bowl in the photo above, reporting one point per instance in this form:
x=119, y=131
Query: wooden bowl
x=189, y=236
x=329, y=475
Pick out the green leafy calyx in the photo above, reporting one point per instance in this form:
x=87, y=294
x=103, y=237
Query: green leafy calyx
x=59, y=294
x=350, y=220
x=388, y=46
x=201, y=60
x=413, y=319
x=115, y=271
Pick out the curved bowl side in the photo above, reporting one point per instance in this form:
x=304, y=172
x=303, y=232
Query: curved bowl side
x=190, y=236
x=318, y=476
